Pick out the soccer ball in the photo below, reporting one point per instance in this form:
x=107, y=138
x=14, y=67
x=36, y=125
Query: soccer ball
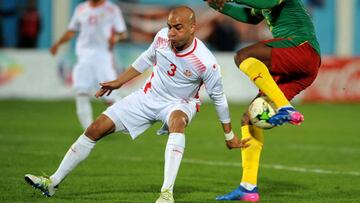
x=260, y=110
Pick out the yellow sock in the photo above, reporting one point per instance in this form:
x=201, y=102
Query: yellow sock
x=251, y=155
x=260, y=75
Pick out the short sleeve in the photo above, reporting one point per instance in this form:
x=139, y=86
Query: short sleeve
x=119, y=22
x=74, y=24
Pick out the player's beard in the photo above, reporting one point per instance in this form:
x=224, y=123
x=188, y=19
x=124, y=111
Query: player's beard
x=176, y=46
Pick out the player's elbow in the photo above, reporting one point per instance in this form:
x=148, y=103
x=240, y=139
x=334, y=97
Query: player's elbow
x=255, y=21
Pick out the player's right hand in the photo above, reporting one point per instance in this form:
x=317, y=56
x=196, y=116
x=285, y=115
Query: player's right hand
x=107, y=88
x=53, y=49
x=236, y=143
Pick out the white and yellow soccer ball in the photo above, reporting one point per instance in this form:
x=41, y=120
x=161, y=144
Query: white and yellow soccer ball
x=260, y=110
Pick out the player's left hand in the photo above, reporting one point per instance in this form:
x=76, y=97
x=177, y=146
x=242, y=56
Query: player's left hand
x=236, y=143
x=112, y=41
x=53, y=49
x=107, y=88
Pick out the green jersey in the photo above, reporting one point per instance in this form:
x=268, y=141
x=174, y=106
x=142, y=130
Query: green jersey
x=286, y=19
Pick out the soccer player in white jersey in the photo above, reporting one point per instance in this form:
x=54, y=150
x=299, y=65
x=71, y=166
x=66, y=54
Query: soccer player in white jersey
x=181, y=64
x=100, y=25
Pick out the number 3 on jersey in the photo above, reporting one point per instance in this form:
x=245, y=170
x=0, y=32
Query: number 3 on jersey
x=172, y=71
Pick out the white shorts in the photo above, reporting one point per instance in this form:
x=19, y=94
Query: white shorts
x=138, y=111
x=90, y=71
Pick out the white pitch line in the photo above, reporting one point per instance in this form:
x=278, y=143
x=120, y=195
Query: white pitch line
x=221, y=163
x=345, y=150
x=270, y=166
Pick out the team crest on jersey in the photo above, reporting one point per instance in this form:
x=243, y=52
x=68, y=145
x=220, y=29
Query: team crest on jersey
x=93, y=20
x=187, y=73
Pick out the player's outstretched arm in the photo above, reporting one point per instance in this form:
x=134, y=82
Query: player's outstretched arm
x=235, y=11
x=259, y=4
x=238, y=143
x=232, y=140
x=68, y=35
x=108, y=87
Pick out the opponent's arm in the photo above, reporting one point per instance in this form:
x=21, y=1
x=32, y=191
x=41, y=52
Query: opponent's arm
x=259, y=4
x=239, y=13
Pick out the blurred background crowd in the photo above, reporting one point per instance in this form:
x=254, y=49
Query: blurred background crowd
x=29, y=27
x=35, y=23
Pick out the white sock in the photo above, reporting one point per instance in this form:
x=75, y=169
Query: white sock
x=77, y=152
x=173, y=154
x=247, y=186
x=84, y=110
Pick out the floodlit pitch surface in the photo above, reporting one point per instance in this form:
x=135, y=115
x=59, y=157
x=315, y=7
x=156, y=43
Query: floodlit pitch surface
x=316, y=162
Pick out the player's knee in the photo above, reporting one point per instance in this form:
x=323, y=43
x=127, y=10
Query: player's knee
x=95, y=131
x=177, y=123
x=101, y=127
x=91, y=131
x=240, y=56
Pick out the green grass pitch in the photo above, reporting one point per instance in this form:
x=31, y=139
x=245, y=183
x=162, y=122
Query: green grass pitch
x=316, y=162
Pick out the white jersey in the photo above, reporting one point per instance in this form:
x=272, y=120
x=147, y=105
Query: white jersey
x=95, y=25
x=179, y=76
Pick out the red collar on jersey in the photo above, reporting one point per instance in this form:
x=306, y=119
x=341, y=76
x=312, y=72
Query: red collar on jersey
x=188, y=53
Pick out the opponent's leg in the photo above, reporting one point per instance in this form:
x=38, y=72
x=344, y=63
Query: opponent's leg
x=250, y=61
x=248, y=191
